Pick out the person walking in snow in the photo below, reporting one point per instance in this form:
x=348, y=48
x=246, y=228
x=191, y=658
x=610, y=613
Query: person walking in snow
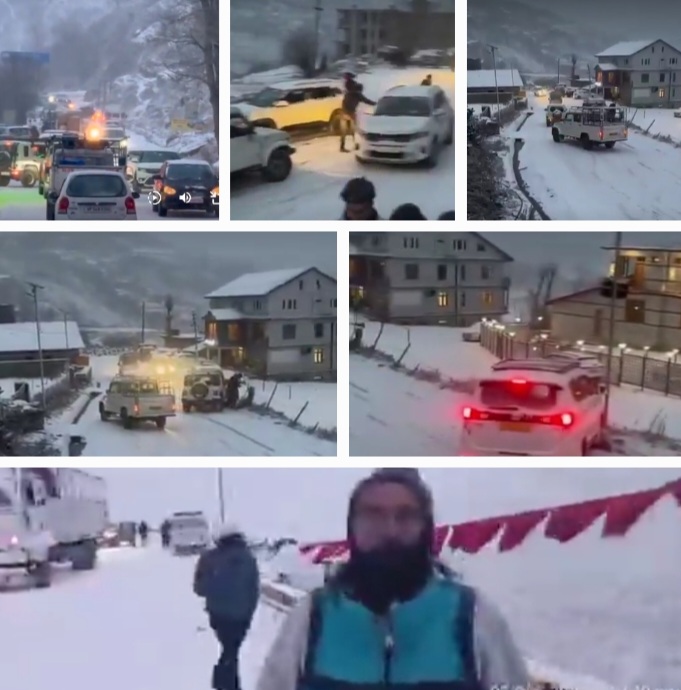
x=392, y=616
x=228, y=579
x=165, y=534
x=143, y=531
x=354, y=95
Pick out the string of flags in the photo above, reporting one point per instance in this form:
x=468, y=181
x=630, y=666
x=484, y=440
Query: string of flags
x=561, y=523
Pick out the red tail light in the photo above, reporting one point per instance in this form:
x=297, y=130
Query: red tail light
x=601, y=135
x=63, y=205
x=564, y=420
x=130, y=205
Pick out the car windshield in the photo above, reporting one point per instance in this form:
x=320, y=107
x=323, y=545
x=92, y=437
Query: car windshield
x=190, y=172
x=189, y=523
x=114, y=133
x=153, y=156
x=97, y=186
x=518, y=394
x=266, y=97
x=395, y=106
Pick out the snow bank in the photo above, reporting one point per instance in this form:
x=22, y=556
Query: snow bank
x=290, y=398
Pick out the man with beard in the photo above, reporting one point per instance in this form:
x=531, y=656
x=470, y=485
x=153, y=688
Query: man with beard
x=393, y=616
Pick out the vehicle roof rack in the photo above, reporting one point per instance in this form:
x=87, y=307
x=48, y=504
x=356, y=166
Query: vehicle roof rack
x=557, y=365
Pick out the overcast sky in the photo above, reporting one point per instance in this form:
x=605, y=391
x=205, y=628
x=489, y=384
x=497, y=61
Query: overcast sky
x=312, y=503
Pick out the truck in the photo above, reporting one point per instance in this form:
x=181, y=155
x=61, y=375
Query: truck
x=49, y=516
x=592, y=126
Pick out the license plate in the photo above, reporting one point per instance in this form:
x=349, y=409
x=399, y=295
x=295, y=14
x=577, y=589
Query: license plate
x=515, y=426
x=197, y=200
x=154, y=408
x=96, y=209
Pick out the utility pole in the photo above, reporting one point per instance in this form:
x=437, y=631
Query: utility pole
x=34, y=293
x=318, y=9
x=144, y=321
x=66, y=327
x=611, y=325
x=196, y=336
x=221, y=496
x=493, y=50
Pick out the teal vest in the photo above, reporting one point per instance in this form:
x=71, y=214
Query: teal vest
x=423, y=644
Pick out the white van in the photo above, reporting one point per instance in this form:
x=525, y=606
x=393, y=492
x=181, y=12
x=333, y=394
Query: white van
x=189, y=533
x=542, y=407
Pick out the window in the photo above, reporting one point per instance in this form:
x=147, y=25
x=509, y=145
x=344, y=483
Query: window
x=462, y=273
x=410, y=242
x=289, y=304
x=635, y=311
x=411, y=271
x=442, y=299
x=673, y=61
x=584, y=387
x=288, y=331
x=257, y=305
x=318, y=355
x=484, y=272
x=533, y=396
x=459, y=245
x=661, y=93
x=645, y=78
x=442, y=272
x=301, y=284
x=333, y=303
x=462, y=299
x=662, y=75
x=487, y=299
x=319, y=285
x=212, y=331
x=319, y=330
x=482, y=247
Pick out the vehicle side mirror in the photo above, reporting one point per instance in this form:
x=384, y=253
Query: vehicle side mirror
x=135, y=195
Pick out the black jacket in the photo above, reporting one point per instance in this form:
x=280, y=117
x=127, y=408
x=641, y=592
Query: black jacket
x=352, y=99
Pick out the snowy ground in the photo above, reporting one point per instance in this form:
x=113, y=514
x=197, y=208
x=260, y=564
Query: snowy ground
x=289, y=398
x=312, y=192
x=637, y=180
x=230, y=433
x=393, y=414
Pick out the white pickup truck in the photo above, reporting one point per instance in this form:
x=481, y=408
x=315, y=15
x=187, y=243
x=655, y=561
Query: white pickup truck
x=49, y=516
x=135, y=399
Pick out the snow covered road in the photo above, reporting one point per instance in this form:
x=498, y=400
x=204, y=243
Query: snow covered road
x=230, y=433
x=636, y=180
x=133, y=622
x=320, y=172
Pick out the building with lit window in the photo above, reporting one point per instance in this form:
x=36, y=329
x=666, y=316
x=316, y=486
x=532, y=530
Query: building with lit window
x=449, y=278
x=275, y=324
x=647, y=304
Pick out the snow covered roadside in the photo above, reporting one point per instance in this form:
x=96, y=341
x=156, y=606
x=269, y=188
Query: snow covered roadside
x=442, y=352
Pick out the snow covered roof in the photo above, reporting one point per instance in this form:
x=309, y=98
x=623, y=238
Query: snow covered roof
x=23, y=337
x=607, y=66
x=226, y=314
x=625, y=48
x=484, y=78
x=258, y=284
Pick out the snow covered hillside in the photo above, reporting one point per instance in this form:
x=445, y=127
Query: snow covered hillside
x=395, y=414
x=143, y=266
x=592, y=608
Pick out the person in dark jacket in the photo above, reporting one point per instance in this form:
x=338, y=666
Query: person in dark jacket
x=359, y=195
x=233, y=384
x=428, y=81
x=165, y=534
x=354, y=95
x=143, y=531
x=227, y=577
x=407, y=212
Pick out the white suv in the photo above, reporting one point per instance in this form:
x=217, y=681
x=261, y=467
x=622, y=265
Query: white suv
x=411, y=124
x=296, y=105
x=136, y=399
x=94, y=194
x=258, y=148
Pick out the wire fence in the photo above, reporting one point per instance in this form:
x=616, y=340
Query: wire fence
x=647, y=371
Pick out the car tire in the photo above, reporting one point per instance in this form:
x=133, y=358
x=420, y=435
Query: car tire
x=434, y=154
x=450, y=136
x=278, y=166
x=29, y=178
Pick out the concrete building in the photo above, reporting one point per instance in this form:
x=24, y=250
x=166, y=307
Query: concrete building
x=648, y=316
x=449, y=278
x=482, y=88
x=641, y=73
x=411, y=26
x=276, y=324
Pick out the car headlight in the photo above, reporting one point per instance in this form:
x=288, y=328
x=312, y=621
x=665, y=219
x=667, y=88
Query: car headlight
x=421, y=135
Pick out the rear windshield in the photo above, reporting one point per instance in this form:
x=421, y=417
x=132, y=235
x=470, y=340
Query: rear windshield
x=210, y=379
x=97, y=186
x=136, y=388
x=190, y=172
x=533, y=396
x=5, y=501
x=189, y=523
